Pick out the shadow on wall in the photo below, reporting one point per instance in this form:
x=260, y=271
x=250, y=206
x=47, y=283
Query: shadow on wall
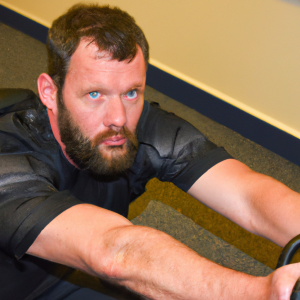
x=293, y=2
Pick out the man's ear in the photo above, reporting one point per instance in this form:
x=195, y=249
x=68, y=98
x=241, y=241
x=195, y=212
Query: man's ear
x=48, y=92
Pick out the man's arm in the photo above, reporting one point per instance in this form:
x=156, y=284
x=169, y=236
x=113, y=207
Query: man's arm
x=258, y=203
x=147, y=261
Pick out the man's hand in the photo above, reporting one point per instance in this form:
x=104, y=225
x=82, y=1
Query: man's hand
x=282, y=281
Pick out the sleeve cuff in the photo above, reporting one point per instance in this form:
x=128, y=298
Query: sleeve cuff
x=32, y=226
x=197, y=168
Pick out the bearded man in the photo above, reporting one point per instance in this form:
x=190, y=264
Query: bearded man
x=71, y=165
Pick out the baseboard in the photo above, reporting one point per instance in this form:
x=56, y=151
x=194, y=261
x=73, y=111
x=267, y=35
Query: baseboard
x=226, y=114
x=220, y=111
x=21, y=23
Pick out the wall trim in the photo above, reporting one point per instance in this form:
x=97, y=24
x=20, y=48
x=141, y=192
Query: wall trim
x=23, y=24
x=226, y=98
x=262, y=133
x=249, y=126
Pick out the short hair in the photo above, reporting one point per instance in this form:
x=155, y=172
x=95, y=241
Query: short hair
x=112, y=30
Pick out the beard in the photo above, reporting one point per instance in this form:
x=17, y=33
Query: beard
x=102, y=160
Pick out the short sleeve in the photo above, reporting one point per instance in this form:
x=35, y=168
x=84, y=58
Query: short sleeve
x=185, y=175
x=190, y=155
x=29, y=201
x=174, y=150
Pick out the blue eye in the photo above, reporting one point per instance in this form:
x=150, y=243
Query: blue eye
x=132, y=94
x=94, y=95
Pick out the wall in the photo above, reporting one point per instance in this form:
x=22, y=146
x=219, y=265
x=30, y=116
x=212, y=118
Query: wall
x=244, y=52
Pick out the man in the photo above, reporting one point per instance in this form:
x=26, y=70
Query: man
x=69, y=171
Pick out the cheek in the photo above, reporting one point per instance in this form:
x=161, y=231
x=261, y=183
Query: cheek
x=84, y=118
x=133, y=117
x=86, y=121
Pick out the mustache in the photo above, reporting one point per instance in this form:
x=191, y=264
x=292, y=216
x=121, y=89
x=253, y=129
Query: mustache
x=100, y=137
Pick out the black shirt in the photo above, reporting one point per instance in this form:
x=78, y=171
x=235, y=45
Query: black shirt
x=37, y=183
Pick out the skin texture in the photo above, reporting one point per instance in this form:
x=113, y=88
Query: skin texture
x=256, y=202
x=140, y=258
x=92, y=71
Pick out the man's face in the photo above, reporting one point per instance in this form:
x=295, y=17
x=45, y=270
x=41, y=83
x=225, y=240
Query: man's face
x=102, y=100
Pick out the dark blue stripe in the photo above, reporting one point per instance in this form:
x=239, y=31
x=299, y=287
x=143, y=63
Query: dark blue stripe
x=19, y=22
x=220, y=111
x=226, y=114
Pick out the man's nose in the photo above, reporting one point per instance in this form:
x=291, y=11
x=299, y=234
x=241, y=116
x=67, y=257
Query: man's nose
x=115, y=113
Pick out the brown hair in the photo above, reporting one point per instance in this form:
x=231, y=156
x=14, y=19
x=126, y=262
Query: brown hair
x=112, y=29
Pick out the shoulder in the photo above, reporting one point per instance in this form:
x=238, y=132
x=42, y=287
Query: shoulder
x=27, y=145
x=24, y=123
x=173, y=150
x=30, y=174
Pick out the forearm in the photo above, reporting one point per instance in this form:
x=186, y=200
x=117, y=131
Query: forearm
x=159, y=267
x=275, y=209
x=256, y=202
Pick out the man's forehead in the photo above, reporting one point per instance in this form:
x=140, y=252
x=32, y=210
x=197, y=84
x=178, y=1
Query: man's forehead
x=94, y=68
x=91, y=49
x=88, y=57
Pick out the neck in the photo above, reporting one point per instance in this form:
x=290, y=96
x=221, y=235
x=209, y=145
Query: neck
x=55, y=130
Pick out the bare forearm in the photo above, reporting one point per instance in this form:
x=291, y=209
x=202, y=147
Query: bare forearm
x=275, y=209
x=256, y=202
x=159, y=267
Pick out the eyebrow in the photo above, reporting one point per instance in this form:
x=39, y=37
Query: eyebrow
x=102, y=89
x=133, y=88
x=92, y=88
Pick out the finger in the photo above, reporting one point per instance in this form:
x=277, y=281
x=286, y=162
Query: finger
x=284, y=280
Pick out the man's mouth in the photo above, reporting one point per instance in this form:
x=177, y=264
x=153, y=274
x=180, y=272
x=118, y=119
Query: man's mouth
x=116, y=140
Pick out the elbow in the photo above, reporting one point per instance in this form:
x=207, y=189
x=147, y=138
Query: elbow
x=125, y=248
x=107, y=255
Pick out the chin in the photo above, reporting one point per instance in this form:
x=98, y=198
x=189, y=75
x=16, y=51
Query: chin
x=111, y=152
